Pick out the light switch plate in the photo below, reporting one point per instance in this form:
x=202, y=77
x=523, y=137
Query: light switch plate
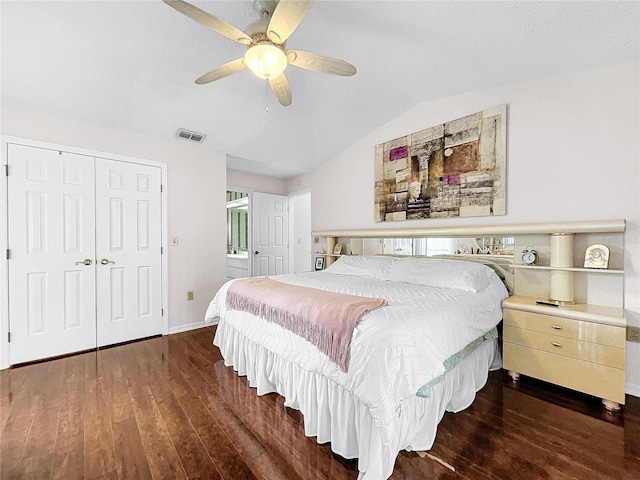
x=174, y=241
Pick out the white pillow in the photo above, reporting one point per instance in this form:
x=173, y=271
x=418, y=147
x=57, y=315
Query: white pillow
x=498, y=263
x=431, y=272
x=361, y=265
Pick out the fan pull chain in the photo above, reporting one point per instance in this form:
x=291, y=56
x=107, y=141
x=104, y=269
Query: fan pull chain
x=266, y=94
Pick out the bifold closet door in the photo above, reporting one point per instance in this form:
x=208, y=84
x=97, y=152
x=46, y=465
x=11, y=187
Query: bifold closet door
x=85, y=252
x=51, y=215
x=128, y=243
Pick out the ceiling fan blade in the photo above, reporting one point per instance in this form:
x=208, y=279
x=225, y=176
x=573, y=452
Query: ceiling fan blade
x=320, y=63
x=286, y=17
x=222, y=71
x=208, y=20
x=280, y=86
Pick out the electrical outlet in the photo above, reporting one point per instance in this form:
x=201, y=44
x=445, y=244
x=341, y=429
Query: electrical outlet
x=633, y=333
x=189, y=295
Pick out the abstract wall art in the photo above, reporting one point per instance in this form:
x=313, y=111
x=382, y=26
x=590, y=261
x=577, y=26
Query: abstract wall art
x=455, y=169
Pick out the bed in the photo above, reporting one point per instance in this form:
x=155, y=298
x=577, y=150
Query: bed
x=427, y=351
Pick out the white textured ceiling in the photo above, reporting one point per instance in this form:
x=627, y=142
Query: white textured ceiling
x=131, y=65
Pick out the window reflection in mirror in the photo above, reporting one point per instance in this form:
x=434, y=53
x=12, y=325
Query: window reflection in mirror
x=237, y=222
x=447, y=246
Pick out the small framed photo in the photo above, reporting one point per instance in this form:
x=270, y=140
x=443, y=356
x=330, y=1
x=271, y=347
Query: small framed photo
x=596, y=256
x=337, y=250
x=319, y=263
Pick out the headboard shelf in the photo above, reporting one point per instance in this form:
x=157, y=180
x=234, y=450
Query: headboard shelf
x=571, y=269
x=596, y=226
x=560, y=273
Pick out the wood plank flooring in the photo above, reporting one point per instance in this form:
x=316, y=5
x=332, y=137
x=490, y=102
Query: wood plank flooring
x=168, y=408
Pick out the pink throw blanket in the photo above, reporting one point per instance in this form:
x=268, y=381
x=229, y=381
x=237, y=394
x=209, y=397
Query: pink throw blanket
x=326, y=319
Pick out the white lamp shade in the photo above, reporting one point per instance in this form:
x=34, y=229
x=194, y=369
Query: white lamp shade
x=265, y=61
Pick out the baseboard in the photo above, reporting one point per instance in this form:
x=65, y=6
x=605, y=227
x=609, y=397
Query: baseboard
x=191, y=326
x=632, y=389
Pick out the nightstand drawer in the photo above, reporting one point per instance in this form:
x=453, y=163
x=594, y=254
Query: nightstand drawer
x=592, y=378
x=569, y=347
x=567, y=328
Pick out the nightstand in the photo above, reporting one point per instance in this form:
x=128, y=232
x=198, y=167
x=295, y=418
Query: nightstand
x=580, y=346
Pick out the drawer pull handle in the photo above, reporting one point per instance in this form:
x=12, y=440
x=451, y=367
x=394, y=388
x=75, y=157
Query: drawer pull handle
x=556, y=327
x=556, y=344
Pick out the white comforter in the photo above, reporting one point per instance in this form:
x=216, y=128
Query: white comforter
x=395, y=350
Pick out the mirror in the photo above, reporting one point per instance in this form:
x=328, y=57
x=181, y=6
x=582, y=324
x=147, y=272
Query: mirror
x=446, y=246
x=495, y=245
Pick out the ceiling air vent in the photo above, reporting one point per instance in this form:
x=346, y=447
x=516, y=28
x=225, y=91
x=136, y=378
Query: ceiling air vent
x=189, y=135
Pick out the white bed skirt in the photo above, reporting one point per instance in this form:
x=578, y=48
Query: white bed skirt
x=333, y=414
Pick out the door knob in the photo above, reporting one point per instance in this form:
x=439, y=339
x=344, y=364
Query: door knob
x=86, y=261
x=105, y=261
x=257, y=252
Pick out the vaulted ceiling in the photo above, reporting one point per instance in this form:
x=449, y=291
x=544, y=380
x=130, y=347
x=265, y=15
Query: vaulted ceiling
x=131, y=65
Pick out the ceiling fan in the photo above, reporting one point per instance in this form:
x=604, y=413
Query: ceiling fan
x=266, y=56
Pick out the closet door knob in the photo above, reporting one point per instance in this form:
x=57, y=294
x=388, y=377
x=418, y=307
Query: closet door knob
x=105, y=261
x=257, y=252
x=86, y=261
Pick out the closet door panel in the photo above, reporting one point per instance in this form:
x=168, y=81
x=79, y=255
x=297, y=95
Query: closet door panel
x=128, y=242
x=51, y=238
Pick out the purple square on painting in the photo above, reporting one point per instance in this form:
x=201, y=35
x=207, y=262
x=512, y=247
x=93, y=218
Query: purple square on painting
x=454, y=179
x=398, y=153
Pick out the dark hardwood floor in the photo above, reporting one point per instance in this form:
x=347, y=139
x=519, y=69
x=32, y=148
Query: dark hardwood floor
x=168, y=408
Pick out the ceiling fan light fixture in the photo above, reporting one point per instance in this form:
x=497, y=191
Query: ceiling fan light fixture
x=265, y=60
x=266, y=54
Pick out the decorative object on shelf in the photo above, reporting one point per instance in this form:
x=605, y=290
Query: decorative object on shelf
x=529, y=256
x=319, y=263
x=435, y=172
x=596, y=256
x=337, y=250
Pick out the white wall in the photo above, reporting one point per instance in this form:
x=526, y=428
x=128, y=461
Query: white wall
x=300, y=232
x=196, y=201
x=257, y=183
x=573, y=153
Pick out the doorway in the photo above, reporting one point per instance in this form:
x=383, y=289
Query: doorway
x=238, y=234
x=237, y=222
x=266, y=234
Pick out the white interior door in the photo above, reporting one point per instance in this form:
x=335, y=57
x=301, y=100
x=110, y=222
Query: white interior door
x=128, y=243
x=270, y=232
x=85, y=252
x=51, y=235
